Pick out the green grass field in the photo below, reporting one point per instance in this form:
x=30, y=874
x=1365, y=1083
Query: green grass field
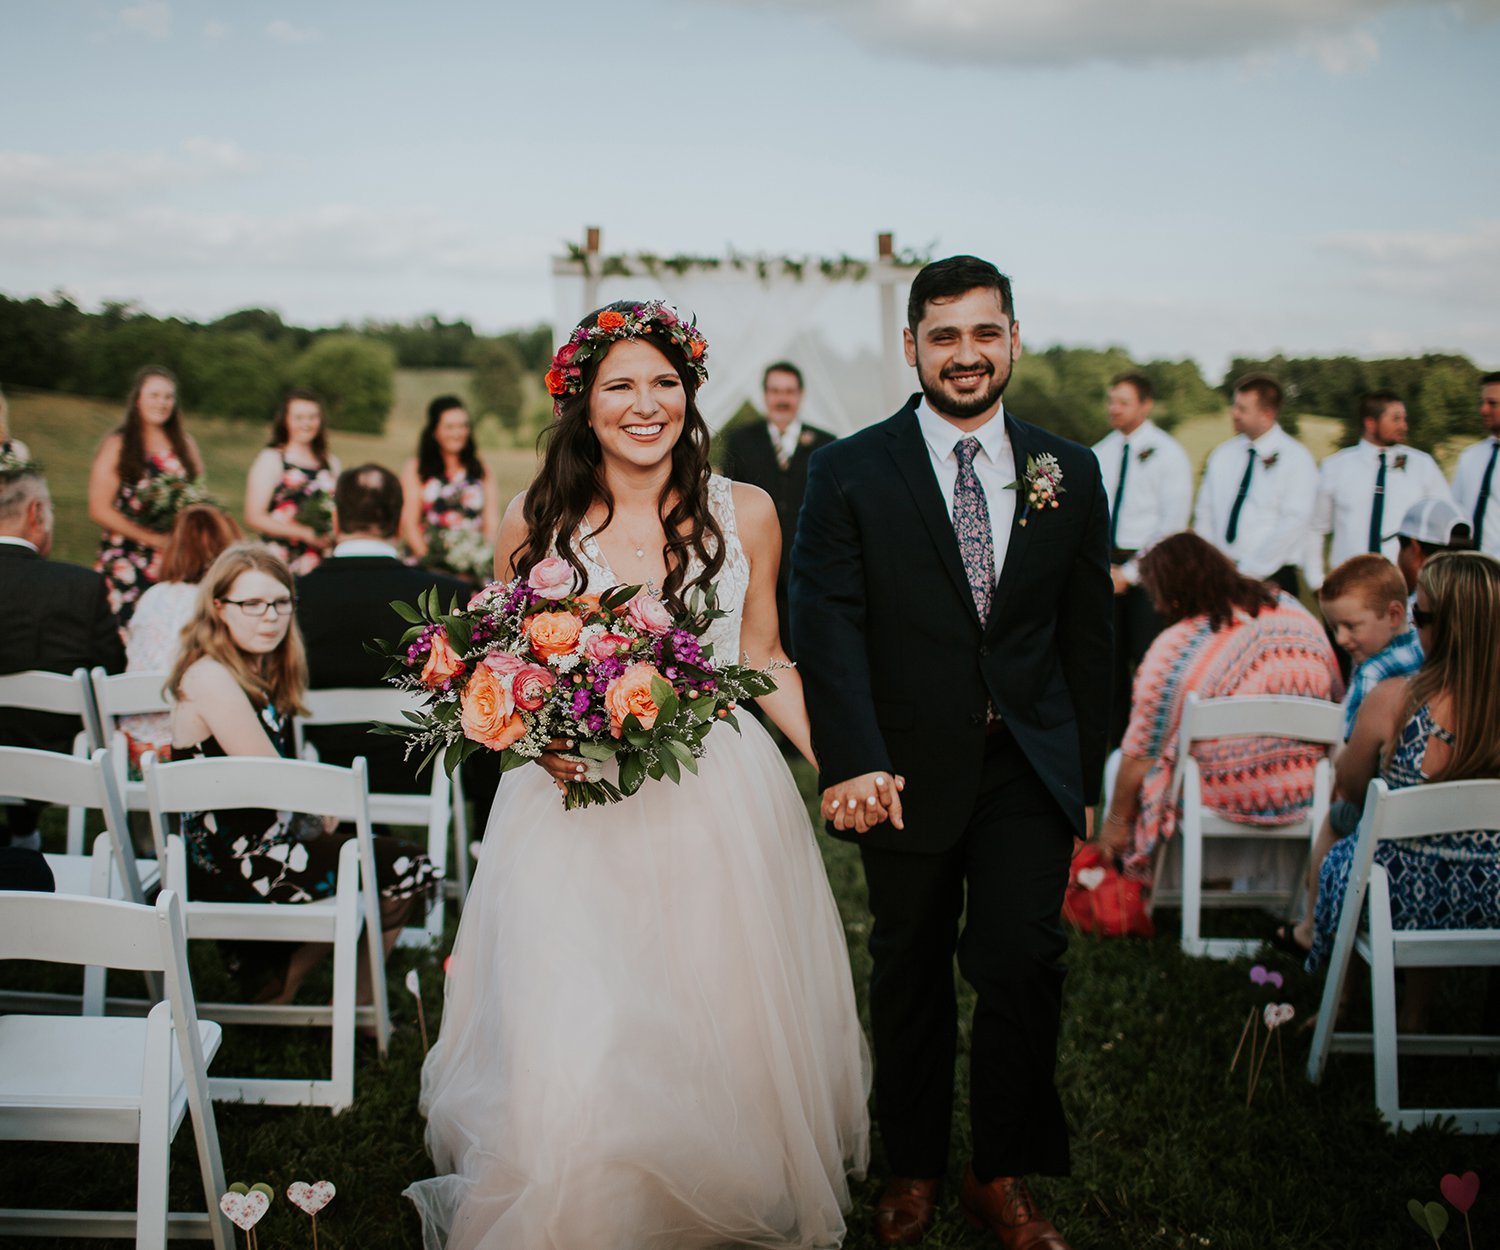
x=1165, y=1152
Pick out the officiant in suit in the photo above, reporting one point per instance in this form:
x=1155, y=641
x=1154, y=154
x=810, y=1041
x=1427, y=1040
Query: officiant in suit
x=952, y=609
x=54, y=617
x=347, y=600
x=773, y=454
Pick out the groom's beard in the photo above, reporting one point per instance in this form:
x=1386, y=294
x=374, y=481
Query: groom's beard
x=963, y=407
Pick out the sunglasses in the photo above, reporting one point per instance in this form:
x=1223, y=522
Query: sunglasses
x=1422, y=617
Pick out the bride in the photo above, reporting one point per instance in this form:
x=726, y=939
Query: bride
x=650, y=1038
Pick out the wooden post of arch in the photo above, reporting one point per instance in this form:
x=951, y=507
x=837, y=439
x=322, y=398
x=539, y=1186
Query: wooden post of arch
x=892, y=360
x=591, y=264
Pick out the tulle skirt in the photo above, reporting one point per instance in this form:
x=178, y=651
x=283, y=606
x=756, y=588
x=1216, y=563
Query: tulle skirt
x=649, y=1037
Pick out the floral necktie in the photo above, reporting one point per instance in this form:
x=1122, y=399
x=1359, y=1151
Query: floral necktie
x=971, y=523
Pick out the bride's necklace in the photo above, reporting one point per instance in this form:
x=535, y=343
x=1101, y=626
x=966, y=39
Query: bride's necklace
x=638, y=547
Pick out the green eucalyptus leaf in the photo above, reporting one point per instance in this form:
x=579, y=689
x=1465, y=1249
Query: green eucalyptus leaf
x=406, y=612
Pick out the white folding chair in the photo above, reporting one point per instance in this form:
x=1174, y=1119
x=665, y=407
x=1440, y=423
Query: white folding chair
x=111, y=871
x=437, y=811
x=111, y=1078
x=200, y=785
x=66, y=694
x=1315, y=721
x=125, y=694
x=1400, y=815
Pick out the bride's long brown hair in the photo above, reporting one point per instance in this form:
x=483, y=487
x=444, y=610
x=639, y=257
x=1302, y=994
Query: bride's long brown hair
x=571, y=478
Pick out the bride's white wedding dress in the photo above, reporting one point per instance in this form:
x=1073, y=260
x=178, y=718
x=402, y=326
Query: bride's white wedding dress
x=649, y=1038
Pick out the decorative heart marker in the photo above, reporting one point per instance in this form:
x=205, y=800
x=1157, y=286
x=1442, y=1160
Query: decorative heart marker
x=1277, y=1014
x=1274, y=978
x=310, y=1198
x=414, y=984
x=1258, y=974
x=1431, y=1219
x=245, y=1209
x=1460, y=1191
x=1091, y=878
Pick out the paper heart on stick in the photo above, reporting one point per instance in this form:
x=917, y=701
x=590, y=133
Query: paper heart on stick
x=1274, y=978
x=245, y=1210
x=1090, y=878
x=1258, y=974
x=1460, y=1191
x=414, y=984
x=1277, y=1014
x=1432, y=1218
x=310, y=1198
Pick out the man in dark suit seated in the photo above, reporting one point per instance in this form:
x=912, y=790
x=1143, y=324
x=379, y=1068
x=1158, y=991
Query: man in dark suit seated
x=53, y=616
x=773, y=455
x=346, y=601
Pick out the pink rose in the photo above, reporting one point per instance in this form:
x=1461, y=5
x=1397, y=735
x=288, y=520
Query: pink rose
x=630, y=695
x=551, y=578
x=606, y=646
x=531, y=686
x=503, y=663
x=566, y=354
x=648, y=614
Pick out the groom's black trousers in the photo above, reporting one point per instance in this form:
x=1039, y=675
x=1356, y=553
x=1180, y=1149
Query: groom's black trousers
x=1010, y=866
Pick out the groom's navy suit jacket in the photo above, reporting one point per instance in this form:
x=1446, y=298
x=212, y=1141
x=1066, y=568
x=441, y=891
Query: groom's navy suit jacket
x=897, y=669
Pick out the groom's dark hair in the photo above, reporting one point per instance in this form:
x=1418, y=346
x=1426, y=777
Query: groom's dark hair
x=950, y=278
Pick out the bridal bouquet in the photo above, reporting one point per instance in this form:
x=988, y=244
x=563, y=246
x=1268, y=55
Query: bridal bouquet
x=160, y=499
x=528, y=661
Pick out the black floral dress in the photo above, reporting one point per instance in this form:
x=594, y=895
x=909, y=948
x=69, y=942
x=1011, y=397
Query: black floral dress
x=304, y=496
x=235, y=856
x=453, y=524
x=130, y=567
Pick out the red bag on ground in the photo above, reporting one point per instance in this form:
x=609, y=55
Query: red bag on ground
x=1100, y=900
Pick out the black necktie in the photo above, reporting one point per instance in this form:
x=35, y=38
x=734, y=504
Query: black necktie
x=1114, y=517
x=1377, y=509
x=1239, y=500
x=1484, y=496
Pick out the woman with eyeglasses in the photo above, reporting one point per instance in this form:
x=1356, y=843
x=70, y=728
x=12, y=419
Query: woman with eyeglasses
x=238, y=681
x=1441, y=724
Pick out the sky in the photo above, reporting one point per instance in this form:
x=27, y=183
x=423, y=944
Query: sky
x=1203, y=178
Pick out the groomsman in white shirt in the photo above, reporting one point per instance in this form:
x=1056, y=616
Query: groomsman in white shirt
x=1476, y=482
x=1148, y=479
x=1365, y=490
x=1256, y=500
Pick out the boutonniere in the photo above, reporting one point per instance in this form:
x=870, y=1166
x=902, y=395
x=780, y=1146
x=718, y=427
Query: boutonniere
x=1043, y=480
x=1270, y=461
x=1399, y=463
x=806, y=439
x=1146, y=454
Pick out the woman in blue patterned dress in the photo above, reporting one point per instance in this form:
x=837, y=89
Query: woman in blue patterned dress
x=1442, y=724
x=451, y=508
x=289, y=492
x=149, y=448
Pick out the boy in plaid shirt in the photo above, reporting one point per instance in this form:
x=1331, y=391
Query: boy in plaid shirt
x=1364, y=603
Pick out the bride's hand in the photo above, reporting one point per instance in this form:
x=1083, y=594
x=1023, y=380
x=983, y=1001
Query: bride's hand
x=558, y=768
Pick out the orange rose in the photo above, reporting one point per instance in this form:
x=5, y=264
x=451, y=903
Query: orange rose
x=442, y=664
x=488, y=713
x=609, y=319
x=557, y=382
x=631, y=692
x=697, y=346
x=553, y=633
x=589, y=605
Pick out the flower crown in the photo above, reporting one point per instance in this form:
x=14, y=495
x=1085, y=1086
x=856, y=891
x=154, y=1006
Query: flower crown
x=588, y=341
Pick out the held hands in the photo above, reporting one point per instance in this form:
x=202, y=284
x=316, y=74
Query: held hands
x=861, y=803
x=559, y=769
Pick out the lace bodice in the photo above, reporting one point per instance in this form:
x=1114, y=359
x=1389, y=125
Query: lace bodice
x=732, y=583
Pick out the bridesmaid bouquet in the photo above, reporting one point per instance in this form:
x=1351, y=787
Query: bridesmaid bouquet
x=464, y=551
x=528, y=660
x=160, y=499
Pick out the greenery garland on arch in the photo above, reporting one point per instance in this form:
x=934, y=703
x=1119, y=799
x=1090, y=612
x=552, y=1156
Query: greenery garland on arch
x=834, y=268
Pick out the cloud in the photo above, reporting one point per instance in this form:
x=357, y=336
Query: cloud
x=1070, y=32
x=1458, y=269
x=31, y=182
x=215, y=32
x=152, y=18
x=282, y=31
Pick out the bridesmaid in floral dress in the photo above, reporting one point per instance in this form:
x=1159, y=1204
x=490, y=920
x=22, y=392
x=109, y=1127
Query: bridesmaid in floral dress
x=450, y=513
x=148, y=451
x=289, y=491
x=11, y=449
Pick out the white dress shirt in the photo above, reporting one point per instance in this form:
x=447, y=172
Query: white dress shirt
x=1346, y=494
x=1158, y=487
x=14, y=541
x=994, y=466
x=784, y=442
x=1467, y=479
x=1278, y=507
x=366, y=547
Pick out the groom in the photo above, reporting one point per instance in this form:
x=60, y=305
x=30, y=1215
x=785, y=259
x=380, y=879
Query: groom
x=951, y=608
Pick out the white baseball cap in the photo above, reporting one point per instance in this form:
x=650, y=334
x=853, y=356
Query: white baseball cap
x=1432, y=521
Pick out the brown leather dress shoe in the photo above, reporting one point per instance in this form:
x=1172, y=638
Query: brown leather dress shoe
x=1005, y=1207
x=906, y=1209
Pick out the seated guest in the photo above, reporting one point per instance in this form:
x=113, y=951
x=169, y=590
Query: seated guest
x=198, y=534
x=1227, y=634
x=238, y=681
x=53, y=616
x=1430, y=526
x=347, y=600
x=1364, y=603
x=1442, y=724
